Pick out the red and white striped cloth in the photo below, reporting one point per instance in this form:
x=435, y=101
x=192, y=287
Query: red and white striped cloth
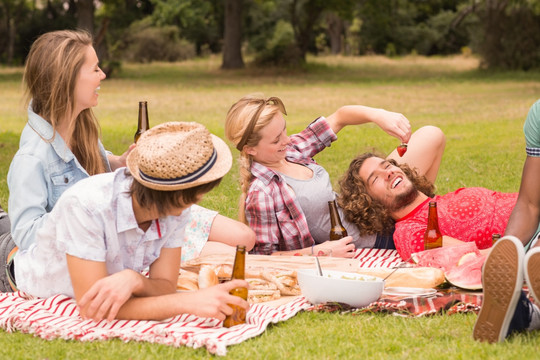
x=58, y=317
x=371, y=258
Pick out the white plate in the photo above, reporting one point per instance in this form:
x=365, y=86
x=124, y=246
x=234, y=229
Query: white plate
x=407, y=291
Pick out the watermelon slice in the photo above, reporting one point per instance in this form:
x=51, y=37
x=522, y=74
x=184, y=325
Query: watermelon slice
x=446, y=257
x=468, y=275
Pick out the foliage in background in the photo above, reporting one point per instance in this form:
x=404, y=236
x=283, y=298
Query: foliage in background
x=143, y=43
x=199, y=21
x=506, y=33
x=511, y=35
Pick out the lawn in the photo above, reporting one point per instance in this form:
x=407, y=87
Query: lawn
x=481, y=113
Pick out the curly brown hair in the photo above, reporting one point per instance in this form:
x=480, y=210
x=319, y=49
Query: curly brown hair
x=369, y=214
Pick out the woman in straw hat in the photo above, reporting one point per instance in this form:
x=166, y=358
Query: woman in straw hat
x=110, y=227
x=60, y=144
x=285, y=193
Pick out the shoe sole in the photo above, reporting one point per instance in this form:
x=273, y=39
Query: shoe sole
x=502, y=280
x=532, y=274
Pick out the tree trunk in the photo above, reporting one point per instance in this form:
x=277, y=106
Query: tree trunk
x=303, y=19
x=335, y=31
x=232, y=42
x=85, y=15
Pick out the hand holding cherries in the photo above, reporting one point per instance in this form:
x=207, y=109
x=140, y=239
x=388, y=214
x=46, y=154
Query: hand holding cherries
x=402, y=149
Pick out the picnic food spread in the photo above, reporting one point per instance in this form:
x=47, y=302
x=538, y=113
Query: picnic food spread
x=274, y=278
x=265, y=284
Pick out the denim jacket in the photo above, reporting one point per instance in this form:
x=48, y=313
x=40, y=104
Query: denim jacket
x=42, y=169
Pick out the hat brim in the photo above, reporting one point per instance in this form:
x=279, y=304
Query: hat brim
x=221, y=167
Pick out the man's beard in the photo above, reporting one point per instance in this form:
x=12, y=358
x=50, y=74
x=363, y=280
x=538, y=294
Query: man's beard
x=404, y=199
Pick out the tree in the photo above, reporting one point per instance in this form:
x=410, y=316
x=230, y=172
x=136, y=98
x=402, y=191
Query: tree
x=85, y=15
x=232, y=41
x=13, y=11
x=305, y=15
x=510, y=32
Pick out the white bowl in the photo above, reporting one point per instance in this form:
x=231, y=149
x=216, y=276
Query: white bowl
x=333, y=287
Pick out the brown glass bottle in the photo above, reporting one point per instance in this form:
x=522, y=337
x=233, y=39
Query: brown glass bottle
x=495, y=237
x=143, y=124
x=239, y=314
x=337, y=231
x=432, y=236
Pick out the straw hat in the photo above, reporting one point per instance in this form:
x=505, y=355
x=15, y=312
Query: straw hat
x=178, y=155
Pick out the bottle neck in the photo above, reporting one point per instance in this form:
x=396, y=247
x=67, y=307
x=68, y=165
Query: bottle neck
x=334, y=215
x=433, y=218
x=239, y=267
x=143, y=117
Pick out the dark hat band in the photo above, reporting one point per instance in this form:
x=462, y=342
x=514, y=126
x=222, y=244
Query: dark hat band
x=183, y=179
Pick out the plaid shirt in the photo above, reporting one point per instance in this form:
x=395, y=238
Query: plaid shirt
x=272, y=210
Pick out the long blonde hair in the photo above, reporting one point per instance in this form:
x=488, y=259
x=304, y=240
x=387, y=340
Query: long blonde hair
x=50, y=75
x=252, y=112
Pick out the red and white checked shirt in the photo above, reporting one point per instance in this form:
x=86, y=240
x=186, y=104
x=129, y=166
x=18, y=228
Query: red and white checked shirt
x=272, y=210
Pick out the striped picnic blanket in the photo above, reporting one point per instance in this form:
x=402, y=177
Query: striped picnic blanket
x=370, y=258
x=58, y=317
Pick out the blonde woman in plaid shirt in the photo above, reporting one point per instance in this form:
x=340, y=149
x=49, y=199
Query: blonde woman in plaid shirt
x=280, y=177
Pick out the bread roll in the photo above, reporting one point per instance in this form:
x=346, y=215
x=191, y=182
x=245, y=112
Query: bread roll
x=186, y=284
x=418, y=277
x=207, y=277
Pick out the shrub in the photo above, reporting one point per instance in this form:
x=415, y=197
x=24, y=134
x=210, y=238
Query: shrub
x=144, y=43
x=281, y=49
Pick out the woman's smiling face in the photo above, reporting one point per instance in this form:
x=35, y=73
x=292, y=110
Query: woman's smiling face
x=88, y=81
x=273, y=144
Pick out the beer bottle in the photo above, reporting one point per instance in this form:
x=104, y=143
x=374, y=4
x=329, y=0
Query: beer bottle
x=495, y=237
x=432, y=236
x=239, y=314
x=337, y=231
x=143, y=124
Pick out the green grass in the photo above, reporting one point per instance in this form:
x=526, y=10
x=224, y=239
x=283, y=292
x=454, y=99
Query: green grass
x=481, y=113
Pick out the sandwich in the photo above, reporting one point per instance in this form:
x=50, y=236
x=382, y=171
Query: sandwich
x=261, y=290
x=285, y=280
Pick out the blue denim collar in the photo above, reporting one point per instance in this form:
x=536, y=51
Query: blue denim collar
x=46, y=132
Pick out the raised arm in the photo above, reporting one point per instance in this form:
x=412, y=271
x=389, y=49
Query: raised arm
x=395, y=124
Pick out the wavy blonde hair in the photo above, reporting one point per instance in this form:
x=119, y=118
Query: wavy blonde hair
x=369, y=214
x=50, y=75
x=239, y=117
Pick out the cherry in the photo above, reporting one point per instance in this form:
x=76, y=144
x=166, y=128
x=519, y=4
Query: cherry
x=402, y=149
